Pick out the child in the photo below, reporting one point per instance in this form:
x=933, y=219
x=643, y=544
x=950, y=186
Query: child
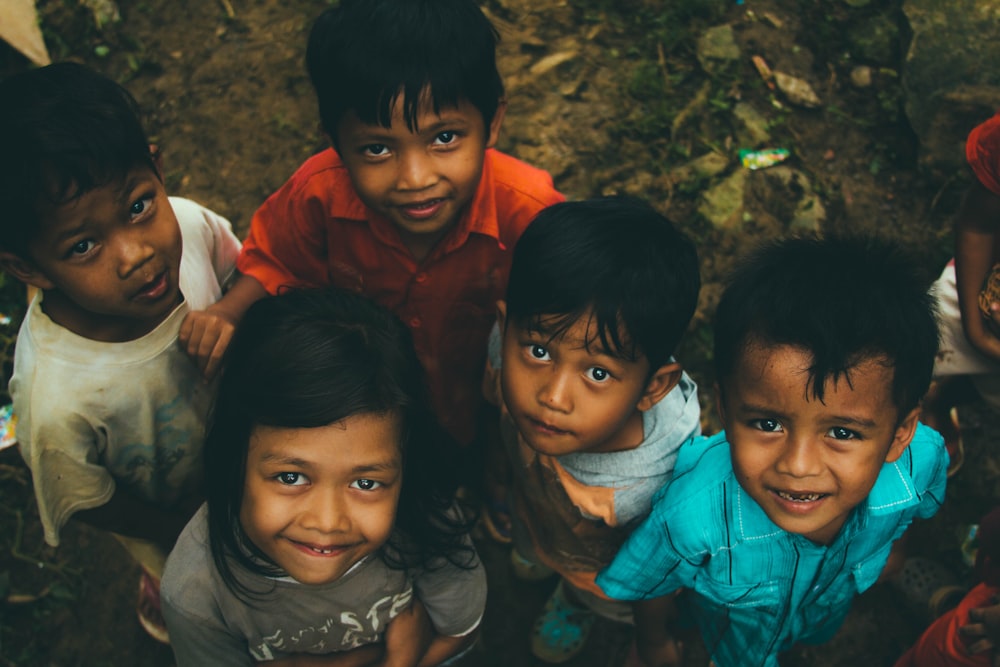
x=411, y=206
x=329, y=510
x=968, y=364
x=823, y=350
x=111, y=413
x=942, y=644
x=594, y=407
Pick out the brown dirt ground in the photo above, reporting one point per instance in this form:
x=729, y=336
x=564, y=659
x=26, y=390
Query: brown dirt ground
x=227, y=99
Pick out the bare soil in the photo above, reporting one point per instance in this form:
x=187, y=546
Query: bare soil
x=605, y=96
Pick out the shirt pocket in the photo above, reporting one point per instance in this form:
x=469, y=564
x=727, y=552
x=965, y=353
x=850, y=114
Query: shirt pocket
x=758, y=595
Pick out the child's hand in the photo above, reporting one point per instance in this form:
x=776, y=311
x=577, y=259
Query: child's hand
x=983, y=631
x=205, y=335
x=407, y=637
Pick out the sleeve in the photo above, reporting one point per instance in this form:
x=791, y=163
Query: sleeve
x=225, y=247
x=287, y=244
x=63, y=450
x=929, y=469
x=649, y=564
x=982, y=151
x=491, y=375
x=455, y=597
x=197, y=642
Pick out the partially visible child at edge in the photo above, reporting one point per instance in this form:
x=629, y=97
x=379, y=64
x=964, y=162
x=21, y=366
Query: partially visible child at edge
x=943, y=644
x=594, y=406
x=329, y=514
x=968, y=364
x=823, y=351
x=411, y=206
x=111, y=413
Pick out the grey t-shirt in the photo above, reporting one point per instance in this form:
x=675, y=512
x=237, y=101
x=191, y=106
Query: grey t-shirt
x=209, y=625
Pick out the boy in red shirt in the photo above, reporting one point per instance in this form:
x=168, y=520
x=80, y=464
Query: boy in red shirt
x=411, y=206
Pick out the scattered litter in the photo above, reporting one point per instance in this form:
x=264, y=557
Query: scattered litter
x=764, y=71
x=763, y=158
x=5, y=320
x=8, y=420
x=969, y=535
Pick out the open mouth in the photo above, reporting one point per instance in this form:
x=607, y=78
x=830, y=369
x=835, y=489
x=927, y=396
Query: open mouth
x=799, y=497
x=424, y=209
x=156, y=288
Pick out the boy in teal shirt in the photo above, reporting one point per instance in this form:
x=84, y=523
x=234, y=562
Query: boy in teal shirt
x=768, y=530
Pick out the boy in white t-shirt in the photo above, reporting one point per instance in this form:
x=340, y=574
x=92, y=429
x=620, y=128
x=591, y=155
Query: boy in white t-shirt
x=111, y=411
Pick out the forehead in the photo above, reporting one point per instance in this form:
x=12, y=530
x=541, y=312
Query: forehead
x=365, y=440
x=784, y=371
x=581, y=331
x=460, y=111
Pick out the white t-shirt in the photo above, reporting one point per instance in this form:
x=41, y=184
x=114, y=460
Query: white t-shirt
x=94, y=415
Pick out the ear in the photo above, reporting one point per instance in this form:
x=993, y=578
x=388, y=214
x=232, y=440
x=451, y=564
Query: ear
x=664, y=379
x=502, y=315
x=24, y=270
x=904, y=434
x=154, y=152
x=494, y=128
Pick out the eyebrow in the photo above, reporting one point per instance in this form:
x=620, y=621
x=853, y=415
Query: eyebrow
x=840, y=419
x=378, y=466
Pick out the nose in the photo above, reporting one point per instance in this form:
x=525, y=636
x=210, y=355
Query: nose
x=555, y=392
x=326, y=510
x=799, y=458
x=134, y=250
x=416, y=170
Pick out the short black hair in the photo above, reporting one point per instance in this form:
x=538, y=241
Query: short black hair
x=844, y=299
x=64, y=130
x=364, y=54
x=309, y=358
x=616, y=258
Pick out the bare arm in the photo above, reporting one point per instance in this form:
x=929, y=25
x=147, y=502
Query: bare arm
x=975, y=236
x=205, y=334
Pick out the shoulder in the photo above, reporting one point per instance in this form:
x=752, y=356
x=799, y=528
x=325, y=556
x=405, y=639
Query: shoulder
x=702, y=482
x=324, y=174
x=189, y=580
x=982, y=151
x=925, y=460
x=520, y=185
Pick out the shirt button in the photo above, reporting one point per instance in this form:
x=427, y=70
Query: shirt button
x=421, y=277
x=415, y=322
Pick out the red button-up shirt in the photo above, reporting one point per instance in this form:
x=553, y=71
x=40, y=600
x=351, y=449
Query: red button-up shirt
x=315, y=232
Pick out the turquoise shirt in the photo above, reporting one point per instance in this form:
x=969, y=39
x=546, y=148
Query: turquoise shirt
x=753, y=588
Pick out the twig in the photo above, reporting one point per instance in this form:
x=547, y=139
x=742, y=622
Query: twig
x=228, y=7
x=700, y=99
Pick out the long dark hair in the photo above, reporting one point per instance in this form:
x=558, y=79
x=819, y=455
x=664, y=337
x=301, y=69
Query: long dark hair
x=308, y=358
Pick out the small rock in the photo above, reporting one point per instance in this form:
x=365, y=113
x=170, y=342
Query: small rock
x=861, y=76
x=717, y=46
x=754, y=130
x=722, y=205
x=798, y=91
x=549, y=63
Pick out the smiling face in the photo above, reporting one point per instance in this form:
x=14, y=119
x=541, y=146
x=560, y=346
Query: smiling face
x=318, y=500
x=108, y=260
x=568, y=394
x=421, y=181
x=807, y=462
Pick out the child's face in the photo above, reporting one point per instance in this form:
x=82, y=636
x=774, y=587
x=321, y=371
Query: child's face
x=108, y=260
x=565, y=396
x=808, y=463
x=420, y=181
x=318, y=500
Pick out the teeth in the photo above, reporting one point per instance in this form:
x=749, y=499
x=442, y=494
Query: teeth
x=322, y=551
x=800, y=497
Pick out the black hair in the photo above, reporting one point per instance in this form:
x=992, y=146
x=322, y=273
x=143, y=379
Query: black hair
x=844, y=299
x=64, y=130
x=309, y=358
x=364, y=54
x=616, y=258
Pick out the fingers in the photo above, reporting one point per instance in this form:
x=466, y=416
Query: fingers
x=205, y=337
